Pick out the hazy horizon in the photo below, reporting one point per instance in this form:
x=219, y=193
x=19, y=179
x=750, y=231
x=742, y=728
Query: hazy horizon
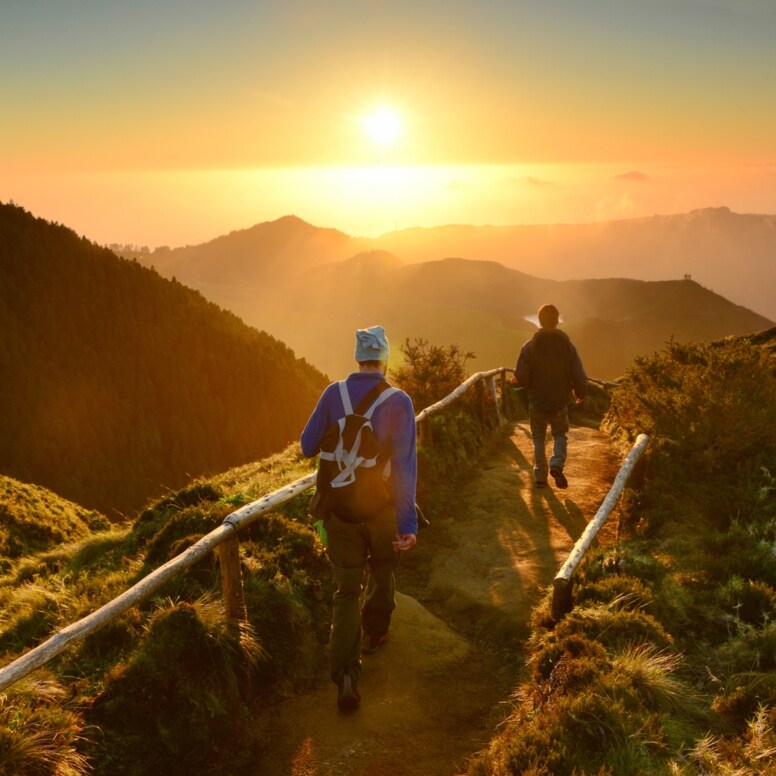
x=192, y=207
x=177, y=123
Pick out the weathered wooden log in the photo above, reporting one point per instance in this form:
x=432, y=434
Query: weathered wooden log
x=84, y=627
x=453, y=395
x=561, y=594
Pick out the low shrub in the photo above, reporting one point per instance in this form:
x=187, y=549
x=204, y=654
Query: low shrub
x=750, y=754
x=694, y=571
x=752, y=602
x=614, y=628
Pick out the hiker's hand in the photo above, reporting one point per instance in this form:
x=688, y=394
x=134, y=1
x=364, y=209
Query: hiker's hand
x=402, y=542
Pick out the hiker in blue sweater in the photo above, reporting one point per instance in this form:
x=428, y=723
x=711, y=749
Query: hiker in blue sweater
x=550, y=368
x=367, y=543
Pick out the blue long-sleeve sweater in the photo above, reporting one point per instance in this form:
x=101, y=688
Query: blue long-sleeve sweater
x=394, y=425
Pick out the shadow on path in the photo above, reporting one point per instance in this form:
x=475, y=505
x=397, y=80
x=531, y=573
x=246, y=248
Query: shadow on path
x=434, y=693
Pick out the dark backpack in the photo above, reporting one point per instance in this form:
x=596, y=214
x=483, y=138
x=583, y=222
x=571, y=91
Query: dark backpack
x=350, y=480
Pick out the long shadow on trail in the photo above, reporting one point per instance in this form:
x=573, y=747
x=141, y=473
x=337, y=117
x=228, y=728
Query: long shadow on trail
x=434, y=694
x=506, y=540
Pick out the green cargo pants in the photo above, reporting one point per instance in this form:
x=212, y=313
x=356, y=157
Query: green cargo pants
x=364, y=563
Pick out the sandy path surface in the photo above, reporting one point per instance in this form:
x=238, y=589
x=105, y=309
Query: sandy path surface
x=433, y=695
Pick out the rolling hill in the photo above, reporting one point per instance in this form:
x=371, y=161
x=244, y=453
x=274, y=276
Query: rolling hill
x=118, y=384
x=301, y=285
x=730, y=253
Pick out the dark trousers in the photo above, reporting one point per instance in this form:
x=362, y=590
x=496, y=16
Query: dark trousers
x=558, y=421
x=364, y=563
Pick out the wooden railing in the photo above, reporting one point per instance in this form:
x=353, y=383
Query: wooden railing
x=562, y=601
x=224, y=539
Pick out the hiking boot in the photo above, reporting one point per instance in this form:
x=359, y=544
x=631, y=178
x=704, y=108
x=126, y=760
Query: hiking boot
x=560, y=478
x=370, y=643
x=348, y=698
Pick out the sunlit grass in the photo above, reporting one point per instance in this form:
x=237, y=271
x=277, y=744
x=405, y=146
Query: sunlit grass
x=38, y=735
x=751, y=755
x=693, y=572
x=608, y=692
x=652, y=673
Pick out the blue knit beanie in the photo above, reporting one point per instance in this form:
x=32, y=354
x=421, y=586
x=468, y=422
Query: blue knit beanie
x=372, y=344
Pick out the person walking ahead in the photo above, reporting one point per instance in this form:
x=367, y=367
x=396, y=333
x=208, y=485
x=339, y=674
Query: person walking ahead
x=550, y=368
x=364, y=542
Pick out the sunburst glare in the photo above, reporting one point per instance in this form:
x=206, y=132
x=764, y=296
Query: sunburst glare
x=383, y=126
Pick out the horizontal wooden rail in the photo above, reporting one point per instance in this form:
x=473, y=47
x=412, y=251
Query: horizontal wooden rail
x=462, y=388
x=231, y=524
x=604, y=383
x=84, y=627
x=561, y=594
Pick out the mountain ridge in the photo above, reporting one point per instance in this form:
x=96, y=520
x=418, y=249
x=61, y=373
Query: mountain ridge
x=315, y=301
x=723, y=250
x=732, y=253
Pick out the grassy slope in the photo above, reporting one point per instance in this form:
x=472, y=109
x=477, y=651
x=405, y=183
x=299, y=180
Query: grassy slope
x=127, y=699
x=34, y=518
x=667, y=664
x=111, y=401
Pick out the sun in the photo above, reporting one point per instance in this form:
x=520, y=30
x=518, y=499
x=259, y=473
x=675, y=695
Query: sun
x=384, y=127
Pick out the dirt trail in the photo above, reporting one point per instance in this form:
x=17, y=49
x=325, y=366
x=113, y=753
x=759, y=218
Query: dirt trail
x=434, y=694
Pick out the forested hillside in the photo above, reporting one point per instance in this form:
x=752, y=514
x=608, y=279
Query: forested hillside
x=117, y=384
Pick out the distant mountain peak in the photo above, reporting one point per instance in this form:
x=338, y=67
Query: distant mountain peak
x=289, y=226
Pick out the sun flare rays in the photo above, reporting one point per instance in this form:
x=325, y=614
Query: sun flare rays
x=383, y=126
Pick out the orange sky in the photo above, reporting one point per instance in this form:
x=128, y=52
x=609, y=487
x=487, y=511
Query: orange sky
x=174, y=122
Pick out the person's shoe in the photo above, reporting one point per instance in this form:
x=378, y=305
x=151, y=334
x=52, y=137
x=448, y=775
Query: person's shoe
x=541, y=484
x=560, y=478
x=348, y=698
x=370, y=643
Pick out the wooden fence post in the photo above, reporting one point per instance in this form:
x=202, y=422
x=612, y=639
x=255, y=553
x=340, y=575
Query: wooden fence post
x=562, y=599
x=494, y=394
x=234, y=605
x=231, y=581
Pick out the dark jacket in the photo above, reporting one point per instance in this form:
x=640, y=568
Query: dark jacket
x=550, y=368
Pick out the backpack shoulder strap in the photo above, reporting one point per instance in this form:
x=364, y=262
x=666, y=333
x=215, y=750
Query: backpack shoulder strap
x=370, y=397
x=387, y=391
x=343, y=389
